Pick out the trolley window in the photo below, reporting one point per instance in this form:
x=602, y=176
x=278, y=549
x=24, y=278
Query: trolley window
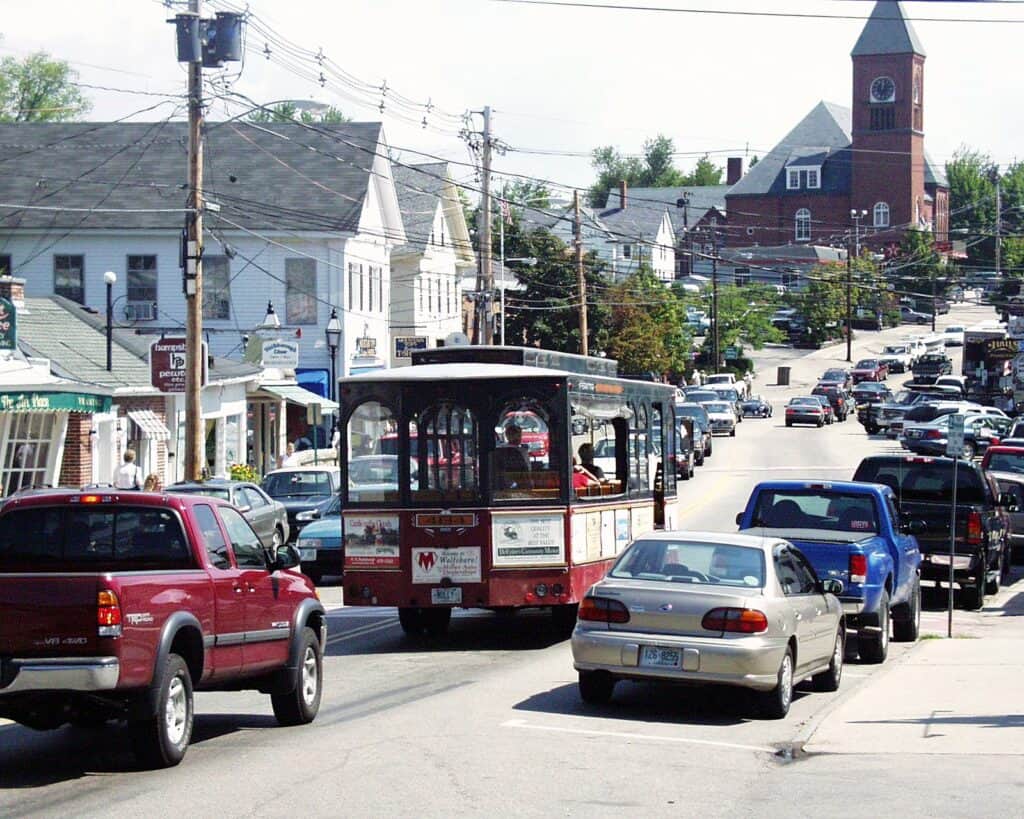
x=521, y=465
x=444, y=466
x=372, y=455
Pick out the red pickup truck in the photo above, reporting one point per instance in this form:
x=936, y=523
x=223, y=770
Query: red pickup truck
x=118, y=605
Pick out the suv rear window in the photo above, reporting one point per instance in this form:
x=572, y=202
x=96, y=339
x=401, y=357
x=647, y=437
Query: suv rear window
x=929, y=481
x=112, y=538
x=929, y=412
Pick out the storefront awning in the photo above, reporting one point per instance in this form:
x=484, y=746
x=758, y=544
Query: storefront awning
x=44, y=401
x=294, y=394
x=150, y=425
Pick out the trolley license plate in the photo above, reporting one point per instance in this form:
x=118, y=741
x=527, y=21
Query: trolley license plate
x=655, y=657
x=307, y=554
x=449, y=596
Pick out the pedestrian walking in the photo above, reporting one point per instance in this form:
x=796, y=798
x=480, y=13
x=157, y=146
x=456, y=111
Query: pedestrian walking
x=128, y=475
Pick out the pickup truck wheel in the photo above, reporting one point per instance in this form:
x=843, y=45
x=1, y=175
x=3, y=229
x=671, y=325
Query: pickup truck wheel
x=906, y=629
x=775, y=703
x=160, y=741
x=974, y=596
x=596, y=687
x=829, y=679
x=874, y=647
x=700, y=459
x=993, y=586
x=301, y=705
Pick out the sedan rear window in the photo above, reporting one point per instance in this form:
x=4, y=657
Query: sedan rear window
x=680, y=561
x=45, y=538
x=281, y=484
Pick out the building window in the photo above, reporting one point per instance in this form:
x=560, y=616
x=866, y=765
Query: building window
x=741, y=275
x=69, y=277
x=380, y=289
x=26, y=456
x=371, y=277
x=883, y=118
x=627, y=251
x=420, y=288
x=813, y=179
x=300, y=291
x=439, y=294
x=141, y=287
x=881, y=214
x=216, y=287
x=918, y=126
x=803, y=225
x=351, y=286
x=5, y=265
x=793, y=180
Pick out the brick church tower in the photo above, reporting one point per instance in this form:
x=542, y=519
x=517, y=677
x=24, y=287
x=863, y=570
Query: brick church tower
x=889, y=166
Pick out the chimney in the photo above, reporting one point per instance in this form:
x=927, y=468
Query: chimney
x=13, y=289
x=734, y=170
x=622, y=193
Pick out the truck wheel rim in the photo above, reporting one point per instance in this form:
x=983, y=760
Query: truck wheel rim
x=176, y=711
x=310, y=678
x=276, y=539
x=786, y=681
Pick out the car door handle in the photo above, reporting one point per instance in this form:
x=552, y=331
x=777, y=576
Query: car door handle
x=238, y=589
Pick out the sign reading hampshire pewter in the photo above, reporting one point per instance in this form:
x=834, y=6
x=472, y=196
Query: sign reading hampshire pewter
x=8, y=325
x=167, y=364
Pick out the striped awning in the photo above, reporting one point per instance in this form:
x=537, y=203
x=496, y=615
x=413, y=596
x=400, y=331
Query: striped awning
x=150, y=425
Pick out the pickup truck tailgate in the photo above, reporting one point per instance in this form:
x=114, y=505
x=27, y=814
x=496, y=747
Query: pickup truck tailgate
x=44, y=614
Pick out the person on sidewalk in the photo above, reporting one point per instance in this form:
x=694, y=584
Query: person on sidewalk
x=128, y=475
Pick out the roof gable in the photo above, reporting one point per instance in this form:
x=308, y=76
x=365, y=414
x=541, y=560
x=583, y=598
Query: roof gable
x=888, y=31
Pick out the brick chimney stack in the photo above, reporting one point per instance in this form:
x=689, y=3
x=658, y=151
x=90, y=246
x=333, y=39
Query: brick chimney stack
x=623, y=190
x=13, y=289
x=734, y=170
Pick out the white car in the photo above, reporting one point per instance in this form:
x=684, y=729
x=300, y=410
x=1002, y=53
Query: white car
x=897, y=357
x=722, y=415
x=954, y=335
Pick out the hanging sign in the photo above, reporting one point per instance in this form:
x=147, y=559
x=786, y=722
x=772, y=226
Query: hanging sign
x=8, y=325
x=167, y=364
x=281, y=353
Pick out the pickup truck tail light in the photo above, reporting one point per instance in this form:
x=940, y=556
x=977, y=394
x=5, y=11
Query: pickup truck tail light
x=858, y=568
x=742, y=621
x=603, y=610
x=974, y=529
x=108, y=614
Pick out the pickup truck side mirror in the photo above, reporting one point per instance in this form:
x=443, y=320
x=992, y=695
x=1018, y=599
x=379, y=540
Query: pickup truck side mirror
x=832, y=586
x=287, y=557
x=913, y=527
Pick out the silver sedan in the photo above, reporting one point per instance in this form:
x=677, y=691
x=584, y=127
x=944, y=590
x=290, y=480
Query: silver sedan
x=706, y=607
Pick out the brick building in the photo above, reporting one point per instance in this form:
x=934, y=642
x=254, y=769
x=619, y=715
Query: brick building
x=869, y=158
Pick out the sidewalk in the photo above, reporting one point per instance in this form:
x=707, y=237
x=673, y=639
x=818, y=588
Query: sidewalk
x=944, y=696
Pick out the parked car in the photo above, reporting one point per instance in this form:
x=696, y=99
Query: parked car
x=839, y=399
x=722, y=416
x=698, y=395
x=954, y=335
x=957, y=382
x=732, y=395
x=709, y=608
x=850, y=531
x=1006, y=465
x=266, y=515
x=301, y=489
x=805, y=409
x=923, y=487
x=897, y=357
x=869, y=369
x=980, y=432
x=118, y=605
x=931, y=366
x=826, y=405
x=756, y=406
x=320, y=545
x=699, y=415
x=728, y=379
x=685, y=458
x=869, y=392
x=911, y=316
x=837, y=375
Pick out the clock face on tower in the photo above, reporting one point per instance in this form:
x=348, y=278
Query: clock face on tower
x=883, y=89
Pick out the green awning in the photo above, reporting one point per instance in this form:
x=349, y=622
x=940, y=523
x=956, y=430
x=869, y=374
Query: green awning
x=294, y=394
x=43, y=401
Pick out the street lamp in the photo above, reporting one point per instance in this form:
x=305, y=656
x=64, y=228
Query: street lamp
x=333, y=333
x=270, y=320
x=110, y=279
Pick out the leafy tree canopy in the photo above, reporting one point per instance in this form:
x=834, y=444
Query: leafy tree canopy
x=655, y=169
x=289, y=112
x=647, y=327
x=39, y=89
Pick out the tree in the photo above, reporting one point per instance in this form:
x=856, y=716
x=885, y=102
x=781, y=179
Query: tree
x=525, y=193
x=744, y=317
x=288, y=111
x=704, y=173
x=654, y=170
x=919, y=269
x=39, y=89
x=647, y=328
x=823, y=302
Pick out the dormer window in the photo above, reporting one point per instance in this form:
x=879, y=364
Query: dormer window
x=793, y=180
x=813, y=179
x=808, y=177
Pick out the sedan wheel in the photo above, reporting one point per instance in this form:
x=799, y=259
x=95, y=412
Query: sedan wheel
x=829, y=679
x=775, y=703
x=596, y=687
x=277, y=539
x=969, y=450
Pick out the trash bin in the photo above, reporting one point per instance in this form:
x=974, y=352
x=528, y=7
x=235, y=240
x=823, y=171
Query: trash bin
x=782, y=379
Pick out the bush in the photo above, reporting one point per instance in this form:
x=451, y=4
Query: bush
x=244, y=472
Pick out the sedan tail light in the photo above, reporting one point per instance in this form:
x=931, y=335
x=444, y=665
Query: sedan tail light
x=742, y=621
x=603, y=610
x=858, y=568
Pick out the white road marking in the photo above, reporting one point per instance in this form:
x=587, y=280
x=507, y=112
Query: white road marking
x=362, y=632
x=520, y=723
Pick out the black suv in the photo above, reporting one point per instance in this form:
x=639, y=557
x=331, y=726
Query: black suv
x=837, y=397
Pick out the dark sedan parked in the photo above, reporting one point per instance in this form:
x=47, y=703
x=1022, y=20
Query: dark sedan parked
x=302, y=488
x=756, y=407
x=267, y=517
x=805, y=410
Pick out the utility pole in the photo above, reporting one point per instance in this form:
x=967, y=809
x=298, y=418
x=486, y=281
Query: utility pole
x=194, y=284
x=999, y=225
x=485, y=287
x=581, y=280
x=852, y=251
x=714, y=297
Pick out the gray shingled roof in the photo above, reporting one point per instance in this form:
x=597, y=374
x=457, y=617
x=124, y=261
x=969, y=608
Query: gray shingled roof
x=934, y=174
x=888, y=31
x=631, y=224
x=75, y=341
x=825, y=129
x=265, y=176
x=420, y=189
x=702, y=199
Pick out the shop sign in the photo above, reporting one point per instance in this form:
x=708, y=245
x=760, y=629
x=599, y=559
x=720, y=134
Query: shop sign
x=527, y=540
x=281, y=353
x=1001, y=349
x=366, y=346
x=167, y=363
x=8, y=325
x=404, y=345
x=53, y=402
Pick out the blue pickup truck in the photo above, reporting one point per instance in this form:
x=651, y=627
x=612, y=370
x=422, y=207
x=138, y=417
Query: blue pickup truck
x=850, y=532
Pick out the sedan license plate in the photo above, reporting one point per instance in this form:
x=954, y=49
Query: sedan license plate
x=448, y=596
x=913, y=433
x=655, y=657
x=307, y=554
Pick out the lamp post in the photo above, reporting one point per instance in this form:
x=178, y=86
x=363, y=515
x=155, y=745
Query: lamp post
x=333, y=333
x=271, y=320
x=110, y=279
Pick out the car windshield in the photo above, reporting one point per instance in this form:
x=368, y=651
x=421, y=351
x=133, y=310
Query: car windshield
x=867, y=364
x=221, y=492
x=895, y=350
x=835, y=511
x=302, y=484
x=717, y=406
x=924, y=479
x=680, y=561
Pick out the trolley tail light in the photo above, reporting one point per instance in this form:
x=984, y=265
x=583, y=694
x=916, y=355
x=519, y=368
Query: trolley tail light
x=108, y=614
x=603, y=610
x=974, y=529
x=858, y=568
x=741, y=621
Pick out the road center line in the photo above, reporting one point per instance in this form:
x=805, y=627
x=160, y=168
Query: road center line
x=520, y=723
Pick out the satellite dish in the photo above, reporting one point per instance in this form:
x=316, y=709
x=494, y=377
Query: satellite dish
x=456, y=339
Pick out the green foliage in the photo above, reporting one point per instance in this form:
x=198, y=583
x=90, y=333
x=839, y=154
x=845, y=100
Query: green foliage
x=654, y=170
x=823, y=303
x=244, y=472
x=919, y=267
x=744, y=318
x=289, y=112
x=39, y=89
x=647, y=329
x=525, y=192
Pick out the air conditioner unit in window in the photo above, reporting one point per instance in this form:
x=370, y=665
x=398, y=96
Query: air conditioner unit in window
x=140, y=311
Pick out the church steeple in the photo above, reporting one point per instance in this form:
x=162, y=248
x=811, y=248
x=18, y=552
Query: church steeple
x=888, y=31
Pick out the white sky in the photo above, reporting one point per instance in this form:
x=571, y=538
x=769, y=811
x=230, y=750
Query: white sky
x=563, y=79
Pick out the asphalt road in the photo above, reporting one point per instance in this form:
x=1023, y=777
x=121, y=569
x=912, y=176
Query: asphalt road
x=488, y=721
